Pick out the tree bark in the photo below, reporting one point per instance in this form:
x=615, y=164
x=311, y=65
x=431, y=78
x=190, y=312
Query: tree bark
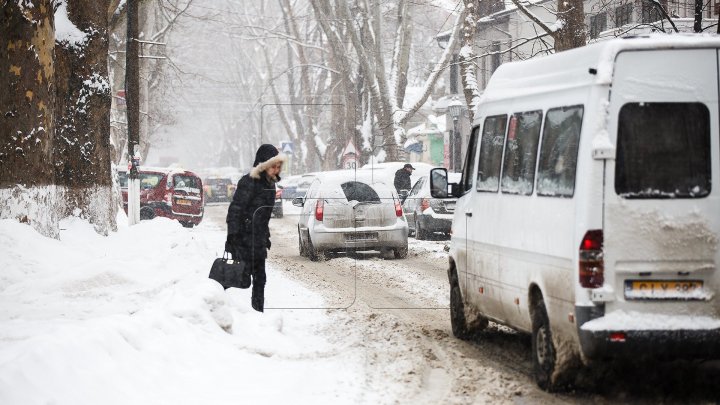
x=27, y=67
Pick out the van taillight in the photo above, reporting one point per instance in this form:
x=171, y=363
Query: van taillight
x=319, y=208
x=398, y=209
x=168, y=198
x=591, y=264
x=278, y=193
x=424, y=204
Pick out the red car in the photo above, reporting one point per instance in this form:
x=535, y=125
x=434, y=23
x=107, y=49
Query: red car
x=171, y=193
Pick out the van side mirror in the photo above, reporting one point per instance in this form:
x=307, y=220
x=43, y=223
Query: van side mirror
x=439, y=186
x=298, y=201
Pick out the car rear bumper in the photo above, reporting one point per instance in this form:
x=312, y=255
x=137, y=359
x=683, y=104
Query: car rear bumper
x=666, y=344
x=360, y=239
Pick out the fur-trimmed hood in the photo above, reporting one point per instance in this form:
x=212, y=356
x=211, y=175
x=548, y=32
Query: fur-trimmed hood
x=262, y=166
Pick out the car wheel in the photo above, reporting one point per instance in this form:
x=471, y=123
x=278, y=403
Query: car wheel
x=420, y=233
x=313, y=253
x=401, y=253
x=301, y=245
x=146, y=213
x=543, y=349
x=279, y=215
x=187, y=224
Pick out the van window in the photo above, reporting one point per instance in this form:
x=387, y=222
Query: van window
x=521, y=147
x=469, y=168
x=663, y=151
x=491, y=147
x=149, y=180
x=181, y=181
x=558, y=152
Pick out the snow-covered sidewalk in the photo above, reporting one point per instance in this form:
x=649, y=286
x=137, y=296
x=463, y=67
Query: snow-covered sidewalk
x=133, y=319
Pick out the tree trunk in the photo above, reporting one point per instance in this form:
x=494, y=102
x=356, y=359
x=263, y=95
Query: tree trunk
x=82, y=147
x=572, y=33
x=26, y=124
x=467, y=56
x=697, y=26
x=27, y=129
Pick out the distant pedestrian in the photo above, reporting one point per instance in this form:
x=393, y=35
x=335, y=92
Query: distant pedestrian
x=248, y=237
x=402, y=179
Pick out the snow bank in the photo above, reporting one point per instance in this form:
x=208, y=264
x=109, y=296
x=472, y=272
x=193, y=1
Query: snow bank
x=132, y=318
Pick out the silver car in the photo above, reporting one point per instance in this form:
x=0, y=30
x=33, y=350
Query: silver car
x=343, y=213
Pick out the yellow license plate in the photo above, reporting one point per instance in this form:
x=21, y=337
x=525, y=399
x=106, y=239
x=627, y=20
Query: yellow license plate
x=184, y=202
x=664, y=289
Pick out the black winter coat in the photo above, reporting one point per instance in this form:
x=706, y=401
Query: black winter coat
x=249, y=215
x=402, y=180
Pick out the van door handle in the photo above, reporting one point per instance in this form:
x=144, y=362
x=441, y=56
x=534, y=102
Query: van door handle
x=468, y=213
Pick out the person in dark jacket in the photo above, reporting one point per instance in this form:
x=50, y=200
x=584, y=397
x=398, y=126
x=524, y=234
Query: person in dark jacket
x=402, y=178
x=248, y=216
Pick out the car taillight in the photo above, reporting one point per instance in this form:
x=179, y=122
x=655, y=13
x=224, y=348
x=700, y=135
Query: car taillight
x=319, y=207
x=168, y=198
x=398, y=209
x=591, y=263
x=278, y=193
x=424, y=204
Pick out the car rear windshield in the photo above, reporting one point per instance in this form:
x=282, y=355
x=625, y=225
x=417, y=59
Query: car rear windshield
x=149, y=180
x=361, y=192
x=663, y=151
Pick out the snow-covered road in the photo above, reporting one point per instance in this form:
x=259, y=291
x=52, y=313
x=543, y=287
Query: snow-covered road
x=132, y=319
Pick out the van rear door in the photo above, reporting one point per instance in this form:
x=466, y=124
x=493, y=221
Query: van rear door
x=662, y=196
x=187, y=195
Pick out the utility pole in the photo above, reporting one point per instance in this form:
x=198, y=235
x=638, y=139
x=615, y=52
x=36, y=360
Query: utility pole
x=132, y=97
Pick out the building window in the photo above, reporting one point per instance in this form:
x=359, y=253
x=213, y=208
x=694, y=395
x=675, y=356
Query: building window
x=623, y=15
x=598, y=24
x=651, y=13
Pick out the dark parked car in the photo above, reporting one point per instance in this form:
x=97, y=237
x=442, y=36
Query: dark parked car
x=427, y=215
x=289, y=185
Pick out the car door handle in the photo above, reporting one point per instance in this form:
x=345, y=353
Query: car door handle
x=468, y=213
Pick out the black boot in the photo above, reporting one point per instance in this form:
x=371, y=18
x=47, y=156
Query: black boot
x=258, y=297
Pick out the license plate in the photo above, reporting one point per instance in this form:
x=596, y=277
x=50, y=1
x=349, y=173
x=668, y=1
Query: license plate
x=357, y=236
x=183, y=202
x=664, y=289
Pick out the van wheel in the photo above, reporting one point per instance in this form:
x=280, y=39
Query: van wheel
x=543, y=349
x=457, y=313
x=187, y=224
x=146, y=213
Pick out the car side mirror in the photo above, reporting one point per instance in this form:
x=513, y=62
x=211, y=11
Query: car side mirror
x=298, y=202
x=439, y=186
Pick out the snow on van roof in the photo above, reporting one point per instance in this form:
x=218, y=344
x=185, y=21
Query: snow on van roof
x=569, y=69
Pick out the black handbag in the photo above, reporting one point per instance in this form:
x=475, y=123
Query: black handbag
x=230, y=273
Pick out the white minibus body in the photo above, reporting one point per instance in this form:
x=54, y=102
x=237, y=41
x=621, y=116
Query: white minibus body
x=589, y=208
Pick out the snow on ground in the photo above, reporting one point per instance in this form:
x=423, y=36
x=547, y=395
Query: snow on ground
x=133, y=318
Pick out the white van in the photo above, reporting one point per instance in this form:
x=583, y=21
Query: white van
x=589, y=207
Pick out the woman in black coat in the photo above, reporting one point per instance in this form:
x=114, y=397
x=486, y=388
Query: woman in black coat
x=248, y=236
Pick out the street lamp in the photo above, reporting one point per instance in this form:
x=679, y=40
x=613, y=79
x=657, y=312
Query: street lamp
x=454, y=108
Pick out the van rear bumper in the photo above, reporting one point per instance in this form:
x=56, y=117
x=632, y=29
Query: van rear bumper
x=639, y=344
